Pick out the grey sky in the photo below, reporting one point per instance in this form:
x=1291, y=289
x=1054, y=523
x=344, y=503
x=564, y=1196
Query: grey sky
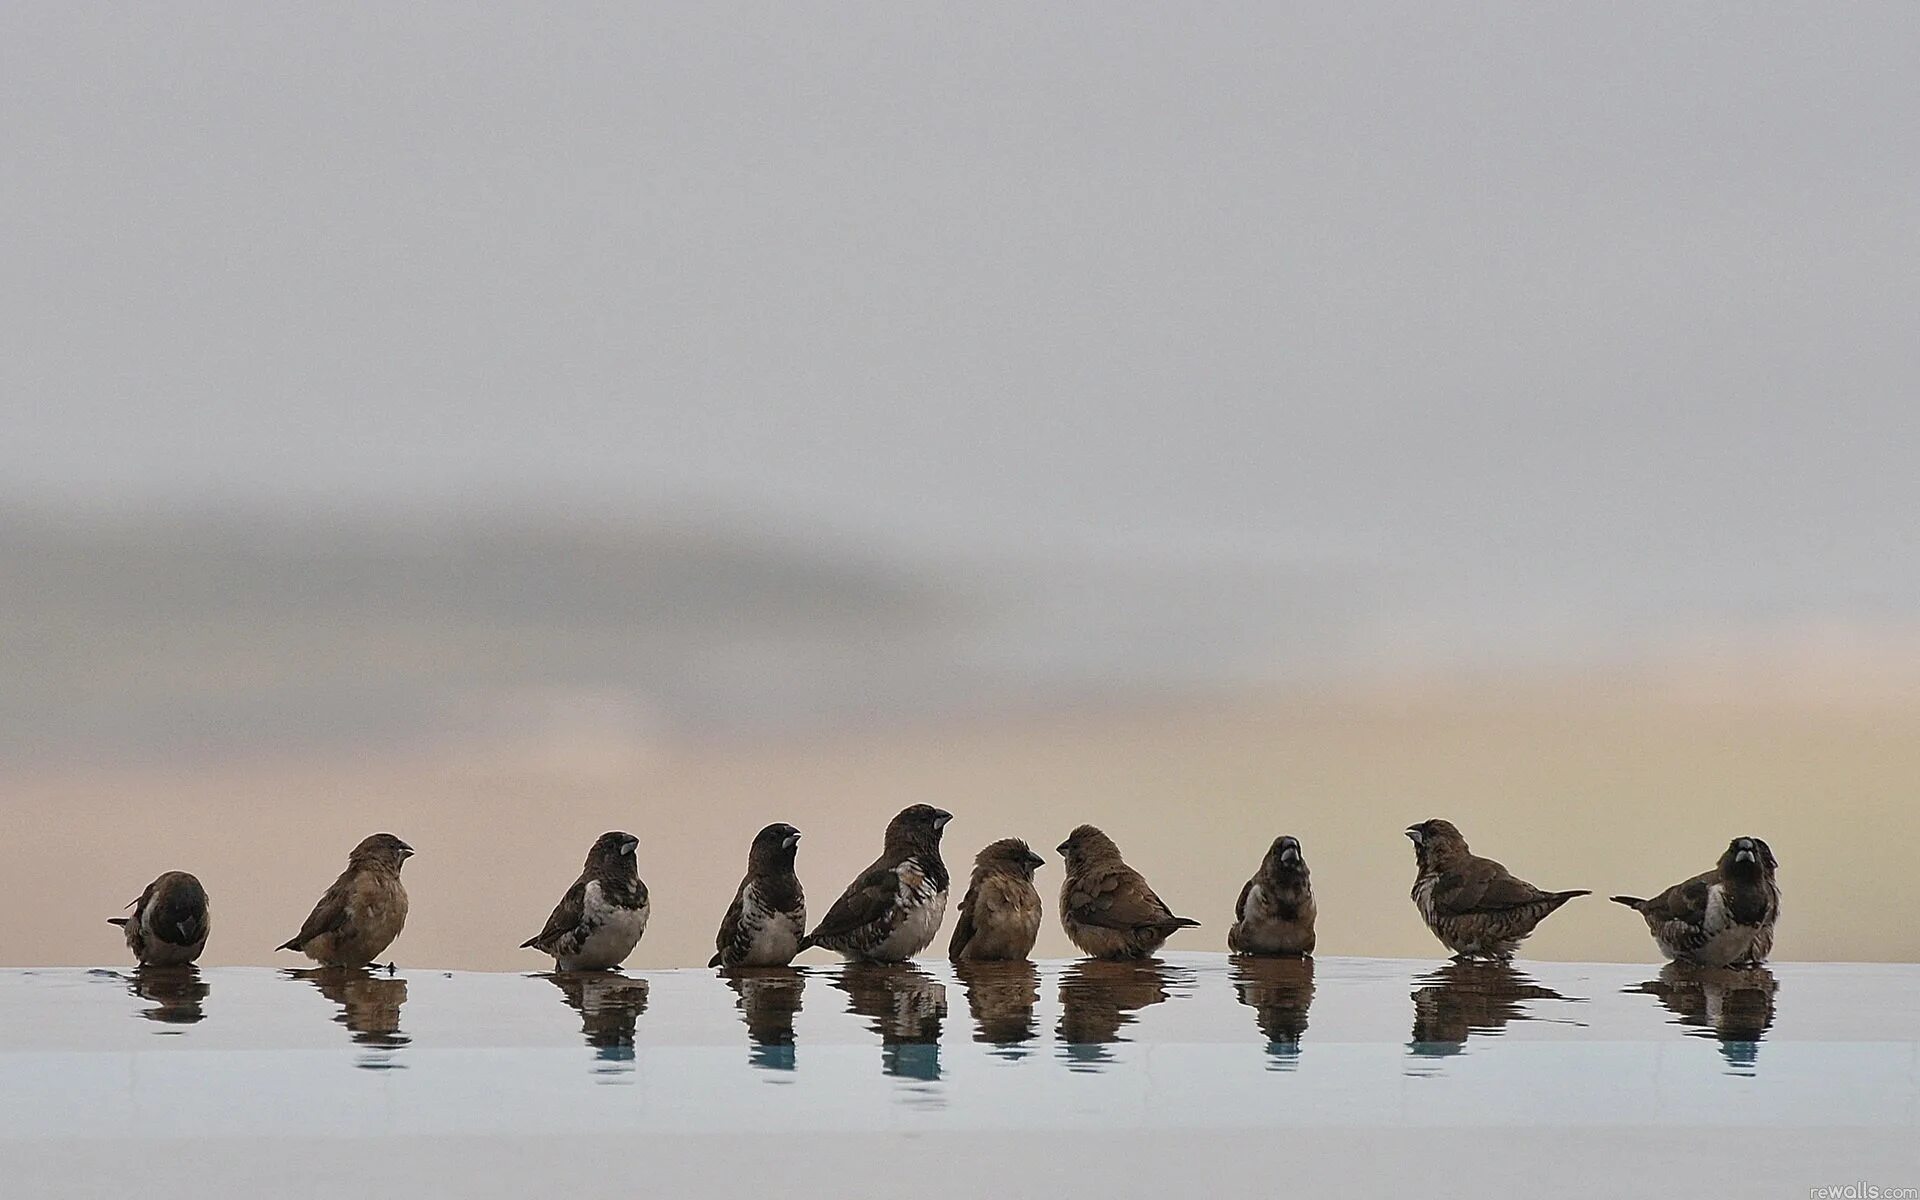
x=1550, y=302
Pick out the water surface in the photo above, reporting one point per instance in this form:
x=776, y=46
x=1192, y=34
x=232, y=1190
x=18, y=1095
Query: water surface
x=1140, y=1077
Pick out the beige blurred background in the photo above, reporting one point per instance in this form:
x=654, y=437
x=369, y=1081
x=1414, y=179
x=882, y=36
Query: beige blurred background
x=496, y=427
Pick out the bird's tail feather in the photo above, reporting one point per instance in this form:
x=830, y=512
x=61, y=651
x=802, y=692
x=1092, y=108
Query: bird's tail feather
x=289, y=944
x=121, y=921
x=714, y=961
x=1633, y=902
x=528, y=944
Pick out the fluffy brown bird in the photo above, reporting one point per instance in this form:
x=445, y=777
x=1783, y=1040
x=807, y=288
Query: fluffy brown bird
x=601, y=917
x=1000, y=915
x=893, y=910
x=768, y=916
x=1275, y=912
x=1719, y=918
x=1106, y=906
x=364, y=910
x=1474, y=905
x=169, y=922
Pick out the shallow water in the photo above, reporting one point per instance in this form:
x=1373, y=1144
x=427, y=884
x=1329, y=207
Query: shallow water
x=1453, y=1077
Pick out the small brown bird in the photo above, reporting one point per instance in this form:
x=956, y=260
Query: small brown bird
x=768, y=916
x=364, y=910
x=1106, y=906
x=600, y=919
x=1000, y=915
x=893, y=910
x=1275, y=912
x=1719, y=918
x=1474, y=905
x=169, y=922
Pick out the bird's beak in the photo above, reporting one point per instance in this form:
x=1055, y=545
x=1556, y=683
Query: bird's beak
x=1414, y=835
x=1035, y=861
x=1062, y=847
x=406, y=851
x=790, y=841
x=1289, y=854
x=940, y=818
x=629, y=847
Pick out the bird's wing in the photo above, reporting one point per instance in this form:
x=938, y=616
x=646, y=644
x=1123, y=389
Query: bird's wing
x=963, y=928
x=330, y=914
x=1683, y=901
x=566, y=917
x=1481, y=885
x=1118, y=899
x=730, y=924
x=1240, y=905
x=865, y=901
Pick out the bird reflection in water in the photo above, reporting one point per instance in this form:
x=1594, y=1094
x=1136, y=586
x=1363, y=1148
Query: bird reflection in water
x=769, y=998
x=1468, y=997
x=1279, y=991
x=177, y=994
x=906, y=1006
x=1001, y=996
x=1099, y=997
x=369, y=1008
x=1733, y=1005
x=609, y=1005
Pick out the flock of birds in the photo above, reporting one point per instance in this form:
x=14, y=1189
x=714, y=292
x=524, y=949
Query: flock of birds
x=894, y=909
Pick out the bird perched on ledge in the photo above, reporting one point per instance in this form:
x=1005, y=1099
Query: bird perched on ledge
x=1275, y=912
x=600, y=919
x=1000, y=915
x=893, y=910
x=364, y=910
x=1475, y=906
x=169, y=922
x=1719, y=918
x=768, y=917
x=1106, y=906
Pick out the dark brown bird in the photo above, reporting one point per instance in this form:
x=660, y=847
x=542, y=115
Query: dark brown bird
x=1475, y=906
x=364, y=910
x=893, y=910
x=1106, y=906
x=169, y=922
x=1275, y=912
x=600, y=919
x=1719, y=918
x=1000, y=914
x=768, y=916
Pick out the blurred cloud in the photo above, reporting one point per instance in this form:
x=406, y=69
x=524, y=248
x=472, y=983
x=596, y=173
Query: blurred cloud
x=726, y=367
